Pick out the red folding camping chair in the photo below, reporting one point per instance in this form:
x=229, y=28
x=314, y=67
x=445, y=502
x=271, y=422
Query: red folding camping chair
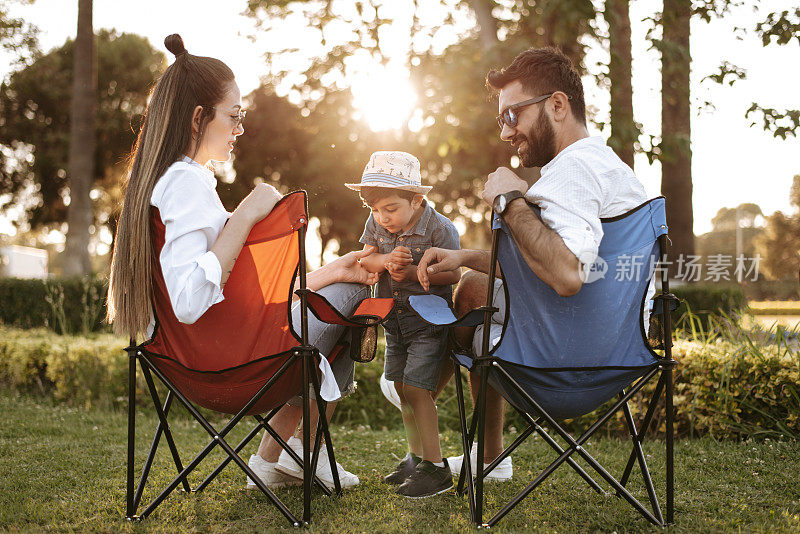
x=243, y=356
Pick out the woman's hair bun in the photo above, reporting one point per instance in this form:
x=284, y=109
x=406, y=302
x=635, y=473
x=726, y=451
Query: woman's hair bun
x=174, y=44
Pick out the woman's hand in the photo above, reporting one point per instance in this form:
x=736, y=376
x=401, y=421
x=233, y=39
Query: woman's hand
x=259, y=203
x=349, y=268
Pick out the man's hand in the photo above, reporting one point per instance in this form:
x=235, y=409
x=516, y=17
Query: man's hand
x=400, y=256
x=502, y=181
x=436, y=260
x=400, y=273
x=350, y=270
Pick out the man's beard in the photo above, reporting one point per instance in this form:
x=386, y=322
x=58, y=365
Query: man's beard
x=541, y=141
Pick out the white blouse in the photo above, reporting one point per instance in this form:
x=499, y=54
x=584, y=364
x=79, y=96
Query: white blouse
x=187, y=200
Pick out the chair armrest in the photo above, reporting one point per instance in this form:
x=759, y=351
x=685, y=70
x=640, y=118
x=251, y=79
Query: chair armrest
x=370, y=311
x=658, y=305
x=433, y=309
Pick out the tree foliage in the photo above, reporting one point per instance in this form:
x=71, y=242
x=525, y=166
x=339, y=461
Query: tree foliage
x=778, y=28
x=743, y=216
x=452, y=130
x=34, y=115
x=782, y=27
x=17, y=36
x=722, y=239
x=779, y=246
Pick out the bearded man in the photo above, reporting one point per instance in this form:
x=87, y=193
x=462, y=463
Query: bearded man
x=543, y=115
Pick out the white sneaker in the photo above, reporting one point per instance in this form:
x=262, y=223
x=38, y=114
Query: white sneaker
x=502, y=473
x=389, y=391
x=268, y=475
x=289, y=467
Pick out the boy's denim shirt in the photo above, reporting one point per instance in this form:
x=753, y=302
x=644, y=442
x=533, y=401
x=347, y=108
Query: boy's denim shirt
x=432, y=230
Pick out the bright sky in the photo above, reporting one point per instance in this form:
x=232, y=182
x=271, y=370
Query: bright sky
x=732, y=162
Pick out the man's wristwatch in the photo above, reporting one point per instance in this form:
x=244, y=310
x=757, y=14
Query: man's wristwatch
x=501, y=202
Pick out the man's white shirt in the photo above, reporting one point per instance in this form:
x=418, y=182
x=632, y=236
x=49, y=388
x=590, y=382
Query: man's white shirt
x=584, y=183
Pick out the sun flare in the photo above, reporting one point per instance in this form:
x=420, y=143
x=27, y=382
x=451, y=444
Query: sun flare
x=384, y=96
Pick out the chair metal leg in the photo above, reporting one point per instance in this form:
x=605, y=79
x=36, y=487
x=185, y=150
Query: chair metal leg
x=307, y=473
x=470, y=440
x=326, y=434
x=239, y=447
x=293, y=455
x=218, y=439
x=163, y=423
x=152, y=454
x=535, y=425
x=466, y=463
x=130, y=509
x=480, y=406
x=670, y=449
x=637, y=449
x=645, y=425
x=575, y=445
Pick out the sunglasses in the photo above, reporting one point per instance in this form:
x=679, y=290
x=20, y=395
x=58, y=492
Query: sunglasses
x=510, y=117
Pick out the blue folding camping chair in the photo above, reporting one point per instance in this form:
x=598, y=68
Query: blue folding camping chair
x=562, y=357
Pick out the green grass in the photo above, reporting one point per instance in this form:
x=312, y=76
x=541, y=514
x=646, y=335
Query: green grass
x=63, y=469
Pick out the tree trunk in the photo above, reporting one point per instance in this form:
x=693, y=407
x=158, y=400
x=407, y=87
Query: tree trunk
x=323, y=241
x=623, y=130
x=486, y=22
x=81, y=146
x=676, y=152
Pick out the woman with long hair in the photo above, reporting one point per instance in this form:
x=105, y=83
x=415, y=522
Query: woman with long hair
x=193, y=117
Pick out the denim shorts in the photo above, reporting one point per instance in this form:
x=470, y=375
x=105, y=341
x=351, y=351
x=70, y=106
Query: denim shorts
x=415, y=358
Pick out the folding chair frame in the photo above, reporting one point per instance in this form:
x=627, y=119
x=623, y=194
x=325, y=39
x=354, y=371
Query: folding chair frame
x=308, y=356
x=483, y=364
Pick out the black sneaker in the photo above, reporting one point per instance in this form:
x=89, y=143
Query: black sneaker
x=427, y=480
x=403, y=470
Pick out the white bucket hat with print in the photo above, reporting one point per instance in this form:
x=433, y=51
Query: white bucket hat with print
x=393, y=170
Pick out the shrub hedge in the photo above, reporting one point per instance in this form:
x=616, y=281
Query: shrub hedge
x=64, y=305
x=724, y=388
x=77, y=305
x=706, y=300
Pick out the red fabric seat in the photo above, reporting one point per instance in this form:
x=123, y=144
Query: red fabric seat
x=223, y=359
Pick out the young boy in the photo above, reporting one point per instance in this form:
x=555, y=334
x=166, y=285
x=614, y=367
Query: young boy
x=401, y=228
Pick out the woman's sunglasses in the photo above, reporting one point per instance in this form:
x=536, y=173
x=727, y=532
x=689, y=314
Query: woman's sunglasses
x=237, y=118
x=510, y=117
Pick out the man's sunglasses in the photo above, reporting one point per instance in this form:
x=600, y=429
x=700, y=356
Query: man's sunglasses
x=510, y=116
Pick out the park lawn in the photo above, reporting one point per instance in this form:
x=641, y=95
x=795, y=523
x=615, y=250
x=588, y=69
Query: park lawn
x=63, y=469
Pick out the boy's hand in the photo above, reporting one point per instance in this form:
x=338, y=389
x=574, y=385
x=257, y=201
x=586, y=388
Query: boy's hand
x=401, y=273
x=400, y=256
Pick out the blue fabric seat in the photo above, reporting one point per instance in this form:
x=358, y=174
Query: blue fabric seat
x=572, y=354
x=562, y=357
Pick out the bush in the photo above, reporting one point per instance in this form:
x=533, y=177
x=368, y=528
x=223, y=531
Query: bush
x=724, y=387
x=707, y=300
x=738, y=389
x=64, y=305
x=79, y=370
x=786, y=289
